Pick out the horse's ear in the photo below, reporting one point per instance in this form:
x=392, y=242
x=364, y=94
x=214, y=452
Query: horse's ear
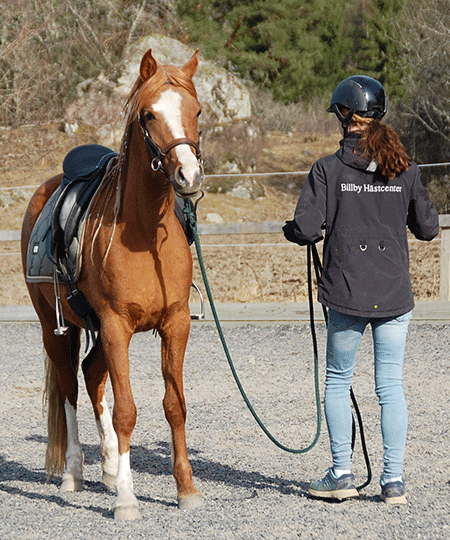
x=191, y=65
x=148, y=66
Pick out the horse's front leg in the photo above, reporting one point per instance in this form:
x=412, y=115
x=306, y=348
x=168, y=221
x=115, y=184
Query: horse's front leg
x=115, y=341
x=173, y=346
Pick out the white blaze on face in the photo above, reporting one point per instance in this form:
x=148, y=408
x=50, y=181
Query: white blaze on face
x=169, y=106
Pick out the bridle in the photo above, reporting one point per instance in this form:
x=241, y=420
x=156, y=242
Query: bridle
x=160, y=153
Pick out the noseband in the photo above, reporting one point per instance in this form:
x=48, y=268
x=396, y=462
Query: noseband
x=160, y=153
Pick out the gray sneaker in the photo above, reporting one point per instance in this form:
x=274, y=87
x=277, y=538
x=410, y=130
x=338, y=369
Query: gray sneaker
x=331, y=487
x=393, y=492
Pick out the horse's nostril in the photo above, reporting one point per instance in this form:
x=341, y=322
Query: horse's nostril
x=181, y=178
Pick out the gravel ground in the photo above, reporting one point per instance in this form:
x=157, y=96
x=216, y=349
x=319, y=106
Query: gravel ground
x=252, y=489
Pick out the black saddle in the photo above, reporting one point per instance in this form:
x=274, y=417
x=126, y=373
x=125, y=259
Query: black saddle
x=84, y=161
x=84, y=168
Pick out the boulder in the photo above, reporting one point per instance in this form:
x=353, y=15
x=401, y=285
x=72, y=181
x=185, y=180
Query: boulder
x=222, y=95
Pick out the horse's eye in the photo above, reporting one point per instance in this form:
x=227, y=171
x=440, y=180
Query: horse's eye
x=149, y=116
x=199, y=113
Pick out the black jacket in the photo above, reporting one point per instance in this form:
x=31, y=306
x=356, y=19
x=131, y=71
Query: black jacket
x=365, y=253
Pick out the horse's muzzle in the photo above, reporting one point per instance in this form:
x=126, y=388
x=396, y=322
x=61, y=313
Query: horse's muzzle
x=187, y=183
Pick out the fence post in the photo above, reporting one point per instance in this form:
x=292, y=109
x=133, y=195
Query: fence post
x=444, y=222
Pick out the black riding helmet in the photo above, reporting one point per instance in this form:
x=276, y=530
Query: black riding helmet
x=362, y=95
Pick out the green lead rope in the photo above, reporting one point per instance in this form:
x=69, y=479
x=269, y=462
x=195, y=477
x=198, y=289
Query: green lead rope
x=189, y=212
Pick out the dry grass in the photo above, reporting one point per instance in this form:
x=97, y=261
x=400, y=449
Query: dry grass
x=247, y=268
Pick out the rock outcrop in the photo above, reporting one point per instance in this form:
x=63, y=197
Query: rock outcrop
x=223, y=96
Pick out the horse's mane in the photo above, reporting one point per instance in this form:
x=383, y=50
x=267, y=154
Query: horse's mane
x=142, y=92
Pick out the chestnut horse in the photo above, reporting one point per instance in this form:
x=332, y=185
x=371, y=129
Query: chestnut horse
x=136, y=274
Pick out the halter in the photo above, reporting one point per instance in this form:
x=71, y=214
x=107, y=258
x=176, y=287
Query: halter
x=161, y=153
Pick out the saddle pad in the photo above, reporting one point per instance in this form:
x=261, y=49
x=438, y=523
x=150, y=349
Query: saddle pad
x=40, y=267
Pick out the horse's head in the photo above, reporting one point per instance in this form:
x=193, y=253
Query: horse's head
x=167, y=110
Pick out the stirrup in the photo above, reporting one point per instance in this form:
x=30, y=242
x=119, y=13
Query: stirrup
x=201, y=315
x=61, y=328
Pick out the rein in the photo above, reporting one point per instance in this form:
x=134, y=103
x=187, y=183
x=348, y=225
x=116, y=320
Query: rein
x=161, y=153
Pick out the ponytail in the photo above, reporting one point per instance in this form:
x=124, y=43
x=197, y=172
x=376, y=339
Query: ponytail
x=382, y=144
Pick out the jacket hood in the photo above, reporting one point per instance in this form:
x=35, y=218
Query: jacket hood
x=348, y=156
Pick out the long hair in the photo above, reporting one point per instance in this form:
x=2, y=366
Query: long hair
x=381, y=143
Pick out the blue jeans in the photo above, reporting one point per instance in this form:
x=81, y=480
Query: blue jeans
x=389, y=338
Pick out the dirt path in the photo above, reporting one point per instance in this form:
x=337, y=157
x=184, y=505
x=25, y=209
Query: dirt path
x=252, y=489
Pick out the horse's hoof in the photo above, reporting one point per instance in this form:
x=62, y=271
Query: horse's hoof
x=71, y=484
x=108, y=480
x=189, y=502
x=126, y=513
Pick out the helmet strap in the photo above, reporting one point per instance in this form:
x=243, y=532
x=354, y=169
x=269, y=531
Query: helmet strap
x=344, y=120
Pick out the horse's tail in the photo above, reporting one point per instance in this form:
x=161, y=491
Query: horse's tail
x=55, y=459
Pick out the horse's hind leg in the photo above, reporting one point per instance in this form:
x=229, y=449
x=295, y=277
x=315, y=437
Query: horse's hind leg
x=95, y=375
x=173, y=347
x=64, y=451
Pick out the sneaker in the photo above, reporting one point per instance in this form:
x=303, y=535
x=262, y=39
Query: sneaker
x=394, y=492
x=331, y=487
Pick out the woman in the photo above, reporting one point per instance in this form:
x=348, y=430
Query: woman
x=364, y=196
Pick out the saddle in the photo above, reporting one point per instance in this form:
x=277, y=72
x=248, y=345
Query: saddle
x=54, y=241
x=84, y=168
x=54, y=246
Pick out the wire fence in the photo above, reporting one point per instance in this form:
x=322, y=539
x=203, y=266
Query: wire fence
x=256, y=255
x=250, y=175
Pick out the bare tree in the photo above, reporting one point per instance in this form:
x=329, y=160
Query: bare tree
x=47, y=47
x=425, y=37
